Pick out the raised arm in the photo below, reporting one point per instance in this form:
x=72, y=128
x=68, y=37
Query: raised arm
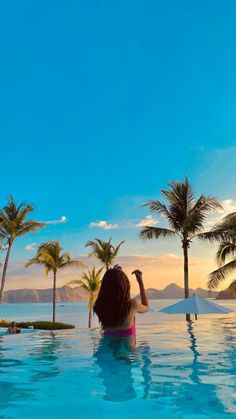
x=141, y=307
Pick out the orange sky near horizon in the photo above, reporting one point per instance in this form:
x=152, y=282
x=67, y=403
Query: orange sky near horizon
x=158, y=272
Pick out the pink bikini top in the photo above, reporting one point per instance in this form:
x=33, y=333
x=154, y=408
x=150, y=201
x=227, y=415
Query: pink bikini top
x=131, y=331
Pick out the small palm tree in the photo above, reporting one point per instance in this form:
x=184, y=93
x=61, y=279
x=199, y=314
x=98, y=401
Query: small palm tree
x=50, y=255
x=14, y=224
x=90, y=281
x=185, y=215
x=104, y=251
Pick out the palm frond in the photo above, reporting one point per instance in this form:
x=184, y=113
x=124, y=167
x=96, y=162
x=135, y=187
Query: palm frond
x=104, y=251
x=71, y=263
x=117, y=248
x=219, y=275
x=223, y=231
x=34, y=261
x=195, y=218
x=160, y=208
x=156, y=233
x=180, y=195
x=90, y=280
x=184, y=213
x=28, y=227
x=225, y=250
x=14, y=221
x=51, y=256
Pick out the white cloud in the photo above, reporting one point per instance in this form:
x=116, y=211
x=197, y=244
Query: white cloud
x=62, y=220
x=229, y=205
x=147, y=221
x=30, y=247
x=103, y=224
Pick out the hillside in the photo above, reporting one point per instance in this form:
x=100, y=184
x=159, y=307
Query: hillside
x=68, y=294
x=63, y=294
x=176, y=292
x=226, y=295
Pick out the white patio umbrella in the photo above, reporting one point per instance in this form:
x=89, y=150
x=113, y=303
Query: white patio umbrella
x=195, y=305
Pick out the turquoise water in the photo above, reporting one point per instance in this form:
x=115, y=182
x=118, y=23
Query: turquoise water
x=177, y=370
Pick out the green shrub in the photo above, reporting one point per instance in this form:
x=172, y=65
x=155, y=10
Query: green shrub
x=40, y=324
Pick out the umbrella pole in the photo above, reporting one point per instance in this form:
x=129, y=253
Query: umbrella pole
x=195, y=316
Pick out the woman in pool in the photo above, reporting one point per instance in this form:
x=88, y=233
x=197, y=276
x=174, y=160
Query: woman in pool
x=114, y=307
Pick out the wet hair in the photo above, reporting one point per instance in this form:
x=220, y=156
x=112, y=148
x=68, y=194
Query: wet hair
x=113, y=302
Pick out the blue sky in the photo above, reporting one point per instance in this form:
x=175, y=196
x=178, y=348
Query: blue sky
x=104, y=102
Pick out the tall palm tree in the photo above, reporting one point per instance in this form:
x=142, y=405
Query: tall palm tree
x=90, y=281
x=104, y=251
x=50, y=255
x=13, y=224
x=185, y=215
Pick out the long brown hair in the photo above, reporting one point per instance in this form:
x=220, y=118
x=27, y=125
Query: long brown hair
x=113, y=302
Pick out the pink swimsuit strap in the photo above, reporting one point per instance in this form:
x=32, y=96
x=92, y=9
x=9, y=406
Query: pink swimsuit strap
x=131, y=331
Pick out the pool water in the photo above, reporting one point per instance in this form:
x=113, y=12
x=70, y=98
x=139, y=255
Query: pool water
x=4, y=331
x=178, y=370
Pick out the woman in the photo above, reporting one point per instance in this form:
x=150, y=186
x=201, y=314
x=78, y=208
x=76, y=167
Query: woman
x=114, y=307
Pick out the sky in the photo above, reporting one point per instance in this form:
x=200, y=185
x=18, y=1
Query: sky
x=102, y=103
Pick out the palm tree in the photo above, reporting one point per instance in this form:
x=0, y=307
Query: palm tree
x=14, y=224
x=104, y=251
x=185, y=215
x=91, y=282
x=226, y=258
x=224, y=232
x=50, y=255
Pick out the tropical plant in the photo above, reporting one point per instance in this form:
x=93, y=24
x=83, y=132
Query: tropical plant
x=50, y=255
x=185, y=215
x=226, y=258
x=90, y=281
x=224, y=232
x=39, y=325
x=104, y=251
x=14, y=224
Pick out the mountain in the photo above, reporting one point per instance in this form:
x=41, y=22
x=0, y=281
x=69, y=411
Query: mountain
x=226, y=295
x=63, y=294
x=68, y=294
x=176, y=292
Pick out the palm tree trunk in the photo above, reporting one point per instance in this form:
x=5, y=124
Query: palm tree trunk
x=186, y=275
x=54, y=297
x=90, y=318
x=4, y=272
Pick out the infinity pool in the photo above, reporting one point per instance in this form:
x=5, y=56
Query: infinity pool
x=177, y=370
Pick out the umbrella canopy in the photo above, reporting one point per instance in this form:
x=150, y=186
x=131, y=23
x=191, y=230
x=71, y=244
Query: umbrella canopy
x=195, y=305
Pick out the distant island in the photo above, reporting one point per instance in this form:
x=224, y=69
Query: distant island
x=63, y=294
x=226, y=295
x=174, y=291
x=68, y=294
